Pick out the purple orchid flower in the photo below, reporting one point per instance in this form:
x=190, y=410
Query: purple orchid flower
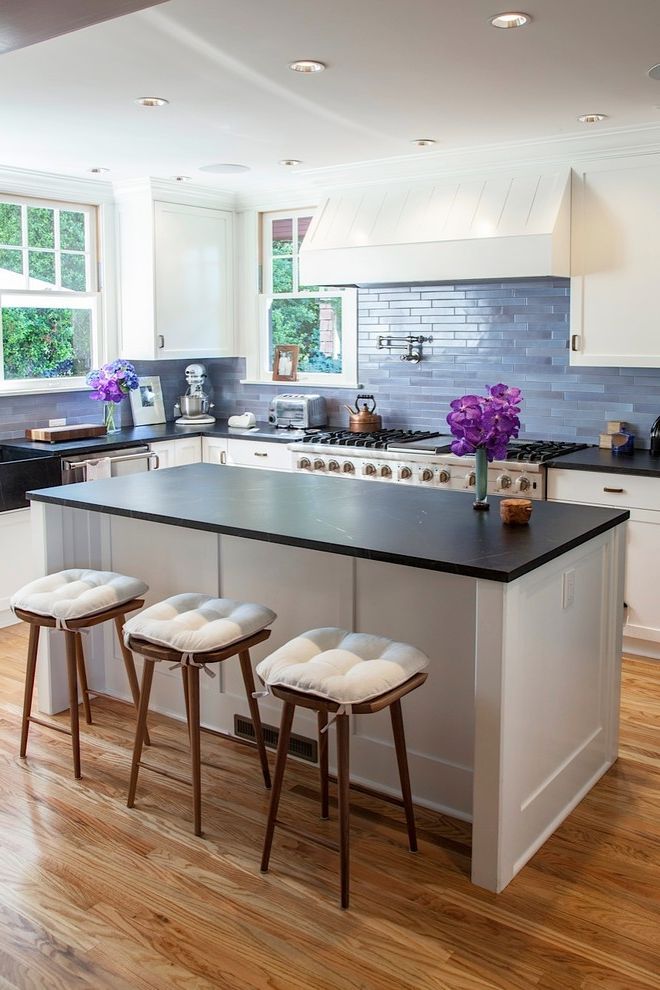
x=489, y=421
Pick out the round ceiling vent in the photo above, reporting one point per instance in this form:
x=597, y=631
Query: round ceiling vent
x=654, y=72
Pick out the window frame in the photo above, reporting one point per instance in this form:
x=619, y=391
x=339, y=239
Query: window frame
x=349, y=309
x=59, y=296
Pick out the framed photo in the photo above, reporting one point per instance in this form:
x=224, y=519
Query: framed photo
x=285, y=363
x=147, y=402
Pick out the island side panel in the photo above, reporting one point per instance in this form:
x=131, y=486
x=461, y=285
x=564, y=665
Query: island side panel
x=547, y=695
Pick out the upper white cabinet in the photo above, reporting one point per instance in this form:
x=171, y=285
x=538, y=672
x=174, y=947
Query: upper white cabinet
x=176, y=263
x=615, y=261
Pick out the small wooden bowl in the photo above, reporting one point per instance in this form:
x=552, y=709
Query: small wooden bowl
x=515, y=511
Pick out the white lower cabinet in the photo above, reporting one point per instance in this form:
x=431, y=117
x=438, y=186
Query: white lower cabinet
x=641, y=495
x=251, y=453
x=17, y=562
x=175, y=453
x=220, y=450
x=214, y=450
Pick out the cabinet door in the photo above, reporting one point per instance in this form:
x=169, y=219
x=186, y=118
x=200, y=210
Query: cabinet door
x=615, y=259
x=187, y=451
x=214, y=451
x=17, y=562
x=250, y=453
x=165, y=452
x=194, y=298
x=642, y=599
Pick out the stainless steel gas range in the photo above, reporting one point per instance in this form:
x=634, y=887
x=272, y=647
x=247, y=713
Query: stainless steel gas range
x=412, y=457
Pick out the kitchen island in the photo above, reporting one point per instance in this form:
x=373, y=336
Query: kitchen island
x=519, y=716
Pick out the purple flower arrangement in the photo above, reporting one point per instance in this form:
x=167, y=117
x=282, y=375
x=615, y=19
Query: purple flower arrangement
x=485, y=421
x=112, y=381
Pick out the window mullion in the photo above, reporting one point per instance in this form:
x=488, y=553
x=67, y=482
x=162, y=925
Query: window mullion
x=57, y=247
x=24, y=246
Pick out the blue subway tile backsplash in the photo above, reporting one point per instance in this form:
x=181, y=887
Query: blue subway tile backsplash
x=514, y=331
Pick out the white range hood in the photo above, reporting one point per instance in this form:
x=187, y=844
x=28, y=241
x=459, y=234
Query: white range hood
x=494, y=227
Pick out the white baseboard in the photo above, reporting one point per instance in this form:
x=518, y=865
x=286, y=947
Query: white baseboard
x=7, y=617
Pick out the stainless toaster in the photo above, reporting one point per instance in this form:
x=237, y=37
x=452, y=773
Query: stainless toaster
x=291, y=410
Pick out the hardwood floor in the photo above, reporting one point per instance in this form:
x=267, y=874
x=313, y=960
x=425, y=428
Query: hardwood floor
x=93, y=894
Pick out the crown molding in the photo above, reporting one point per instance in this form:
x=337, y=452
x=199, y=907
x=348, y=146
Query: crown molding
x=170, y=191
x=49, y=185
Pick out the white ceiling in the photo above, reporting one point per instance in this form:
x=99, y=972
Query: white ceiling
x=397, y=70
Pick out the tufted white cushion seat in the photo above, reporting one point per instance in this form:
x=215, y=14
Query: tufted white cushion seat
x=341, y=666
x=77, y=593
x=193, y=623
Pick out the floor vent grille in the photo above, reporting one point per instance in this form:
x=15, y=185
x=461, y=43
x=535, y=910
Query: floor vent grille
x=301, y=746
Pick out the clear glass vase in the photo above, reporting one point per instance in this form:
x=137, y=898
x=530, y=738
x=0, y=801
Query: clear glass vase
x=481, y=479
x=110, y=410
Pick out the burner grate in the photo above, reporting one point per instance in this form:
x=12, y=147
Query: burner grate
x=378, y=440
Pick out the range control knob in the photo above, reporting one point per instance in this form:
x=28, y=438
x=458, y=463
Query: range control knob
x=386, y=471
x=427, y=474
x=333, y=465
x=349, y=467
x=405, y=473
x=319, y=465
x=470, y=479
x=304, y=463
x=523, y=484
x=504, y=481
x=444, y=476
x=370, y=469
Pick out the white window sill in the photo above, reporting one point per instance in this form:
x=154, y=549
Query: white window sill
x=43, y=387
x=300, y=384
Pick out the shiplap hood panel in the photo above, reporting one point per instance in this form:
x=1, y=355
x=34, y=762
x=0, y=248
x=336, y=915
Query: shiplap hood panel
x=454, y=229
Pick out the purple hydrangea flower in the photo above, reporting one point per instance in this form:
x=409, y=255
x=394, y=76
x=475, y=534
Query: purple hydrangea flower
x=489, y=421
x=112, y=381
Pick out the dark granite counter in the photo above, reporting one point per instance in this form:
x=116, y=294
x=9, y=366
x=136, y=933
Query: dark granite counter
x=264, y=433
x=419, y=528
x=594, y=459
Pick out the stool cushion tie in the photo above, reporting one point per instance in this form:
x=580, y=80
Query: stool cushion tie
x=77, y=593
x=341, y=666
x=193, y=623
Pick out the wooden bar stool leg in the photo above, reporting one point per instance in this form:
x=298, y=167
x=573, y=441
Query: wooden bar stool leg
x=402, y=760
x=140, y=728
x=82, y=677
x=131, y=673
x=72, y=675
x=248, y=680
x=323, y=763
x=195, y=747
x=33, y=646
x=343, y=784
x=186, y=695
x=280, y=764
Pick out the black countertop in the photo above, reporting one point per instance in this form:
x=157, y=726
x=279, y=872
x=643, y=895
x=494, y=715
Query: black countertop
x=429, y=529
x=264, y=433
x=594, y=459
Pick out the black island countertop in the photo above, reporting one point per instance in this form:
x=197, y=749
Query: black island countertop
x=434, y=530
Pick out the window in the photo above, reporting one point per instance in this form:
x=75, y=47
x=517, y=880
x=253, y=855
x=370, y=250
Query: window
x=49, y=302
x=322, y=322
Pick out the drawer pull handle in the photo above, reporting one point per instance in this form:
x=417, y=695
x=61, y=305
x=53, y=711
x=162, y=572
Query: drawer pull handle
x=258, y=453
x=614, y=491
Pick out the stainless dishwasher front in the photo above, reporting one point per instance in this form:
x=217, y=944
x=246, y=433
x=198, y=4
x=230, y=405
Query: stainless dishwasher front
x=108, y=464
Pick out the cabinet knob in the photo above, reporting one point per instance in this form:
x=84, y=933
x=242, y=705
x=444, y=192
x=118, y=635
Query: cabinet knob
x=260, y=453
x=161, y=341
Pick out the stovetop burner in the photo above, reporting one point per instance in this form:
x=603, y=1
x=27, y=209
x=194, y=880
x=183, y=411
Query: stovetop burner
x=539, y=451
x=379, y=440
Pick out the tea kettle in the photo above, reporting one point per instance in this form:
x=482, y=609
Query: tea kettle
x=363, y=418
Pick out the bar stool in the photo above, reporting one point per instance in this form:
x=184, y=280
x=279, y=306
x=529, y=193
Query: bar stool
x=340, y=673
x=191, y=631
x=72, y=601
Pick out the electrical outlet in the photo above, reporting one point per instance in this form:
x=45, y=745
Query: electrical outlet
x=568, y=588
x=57, y=422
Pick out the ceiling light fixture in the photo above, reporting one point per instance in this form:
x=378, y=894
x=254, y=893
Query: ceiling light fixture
x=98, y=170
x=151, y=101
x=181, y=178
x=511, y=19
x=424, y=142
x=290, y=161
x=307, y=65
x=592, y=118
x=654, y=72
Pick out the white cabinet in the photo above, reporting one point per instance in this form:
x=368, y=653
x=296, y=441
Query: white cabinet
x=176, y=264
x=615, y=260
x=251, y=453
x=214, y=450
x=642, y=497
x=174, y=453
x=17, y=564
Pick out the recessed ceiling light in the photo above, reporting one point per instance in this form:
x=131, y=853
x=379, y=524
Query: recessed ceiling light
x=654, y=72
x=592, y=118
x=307, y=65
x=98, y=170
x=224, y=168
x=511, y=19
x=151, y=101
x=290, y=161
x=181, y=178
x=424, y=142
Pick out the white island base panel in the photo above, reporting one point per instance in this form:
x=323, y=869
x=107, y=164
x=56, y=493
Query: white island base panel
x=518, y=718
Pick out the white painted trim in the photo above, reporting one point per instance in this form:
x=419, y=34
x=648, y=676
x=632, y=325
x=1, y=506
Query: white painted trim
x=49, y=185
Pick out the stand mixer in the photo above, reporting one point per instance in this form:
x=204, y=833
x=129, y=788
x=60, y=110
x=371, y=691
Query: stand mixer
x=194, y=406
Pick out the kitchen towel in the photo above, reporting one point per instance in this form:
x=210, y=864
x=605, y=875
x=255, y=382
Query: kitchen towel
x=101, y=468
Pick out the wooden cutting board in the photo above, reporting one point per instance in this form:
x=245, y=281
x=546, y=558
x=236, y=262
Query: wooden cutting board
x=51, y=434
